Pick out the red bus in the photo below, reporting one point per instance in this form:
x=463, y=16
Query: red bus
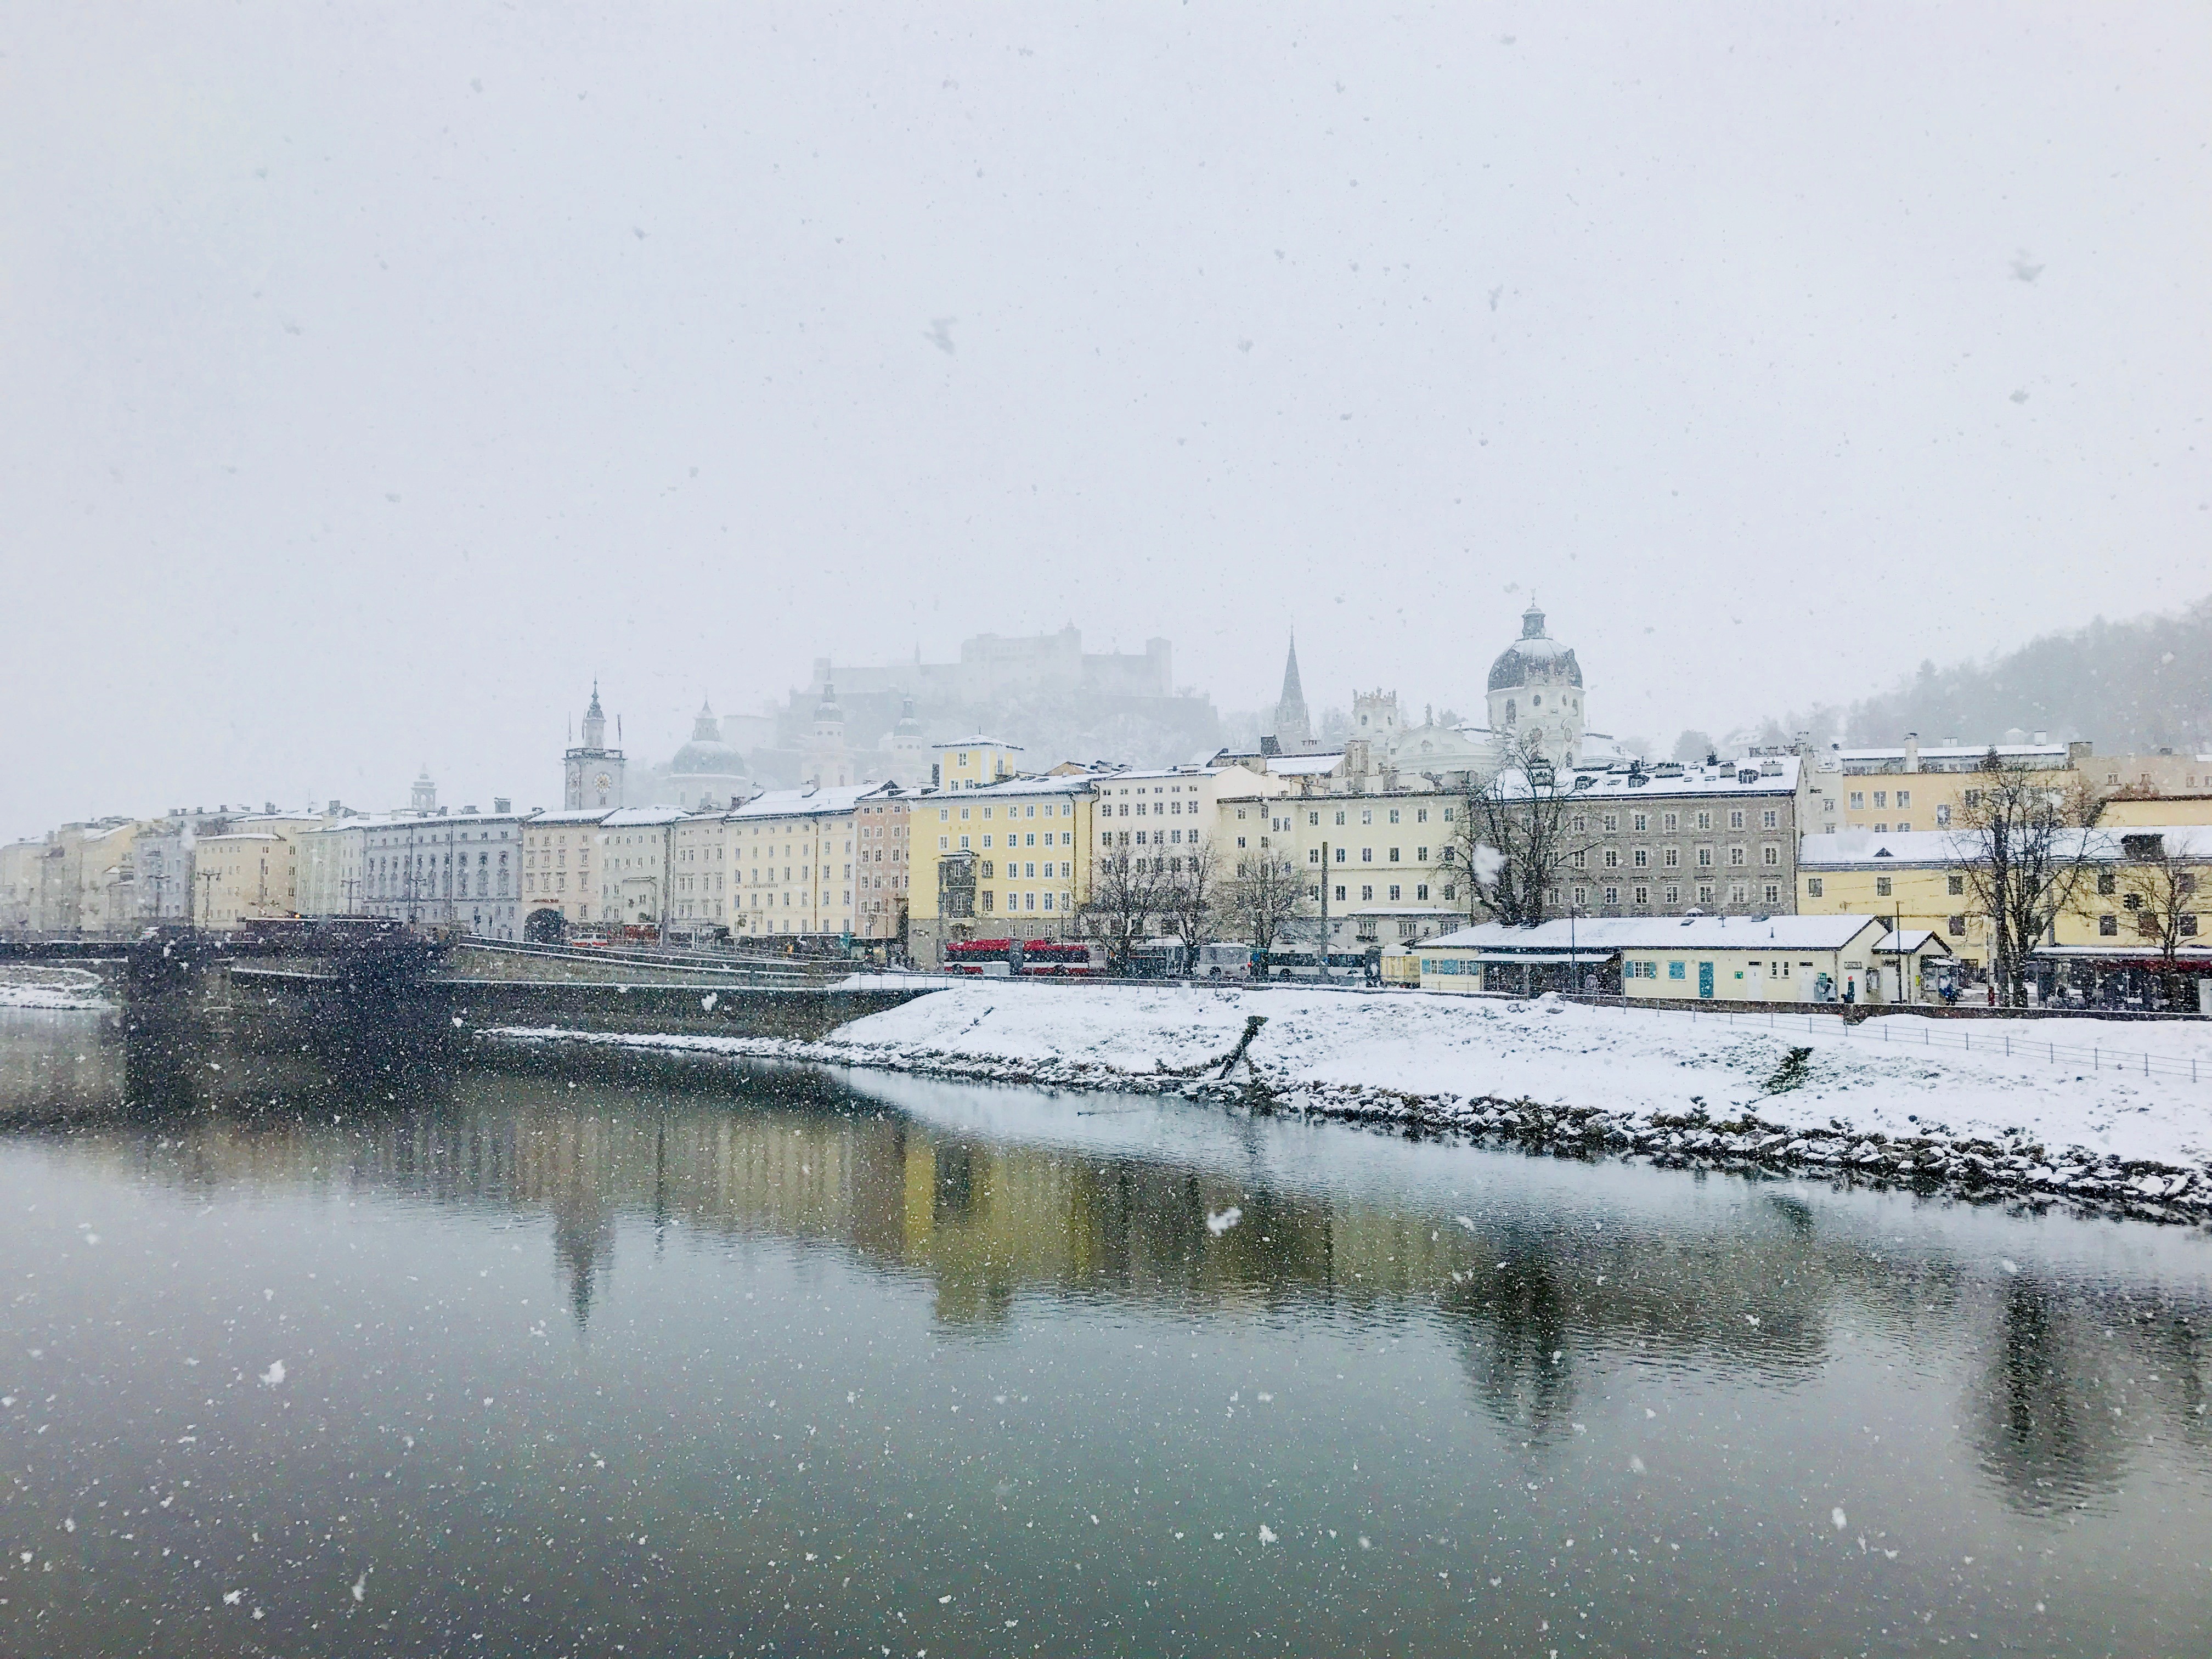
x=1057, y=959
x=993, y=956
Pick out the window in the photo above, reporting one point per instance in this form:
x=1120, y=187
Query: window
x=1674, y=970
x=1704, y=857
x=1943, y=816
x=1812, y=887
x=1640, y=821
x=1644, y=895
x=1452, y=892
x=1858, y=800
x=1674, y=820
x=1314, y=819
x=1421, y=815
x=1313, y=855
x=1613, y=820
x=1339, y=815
x=1773, y=892
x=1339, y=894
x=1613, y=896
x=1393, y=892
x=1367, y=855
x=1394, y=855
x=1641, y=858
x=1421, y=891
x=1612, y=858
x=2185, y=923
x=2107, y=883
x=1881, y=798
x=1772, y=854
x=1367, y=815
x=1366, y=894
x=2108, y=926
x=1956, y=926
x=1393, y=815
x=1955, y=885
x=1674, y=896
x=1735, y=855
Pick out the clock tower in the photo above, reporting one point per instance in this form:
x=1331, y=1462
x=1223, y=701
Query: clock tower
x=592, y=773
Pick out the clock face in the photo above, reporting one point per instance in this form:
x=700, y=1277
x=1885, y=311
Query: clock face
x=604, y=781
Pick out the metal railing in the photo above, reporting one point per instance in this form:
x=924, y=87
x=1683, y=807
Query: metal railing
x=1885, y=1031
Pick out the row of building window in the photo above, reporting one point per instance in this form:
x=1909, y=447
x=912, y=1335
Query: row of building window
x=1671, y=896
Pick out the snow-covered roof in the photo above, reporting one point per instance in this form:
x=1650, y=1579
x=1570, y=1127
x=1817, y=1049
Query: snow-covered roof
x=1946, y=757
x=1304, y=766
x=642, y=817
x=1598, y=935
x=574, y=815
x=1769, y=775
x=810, y=802
x=1067, y=783
x=977, y=740
x=1850, y=849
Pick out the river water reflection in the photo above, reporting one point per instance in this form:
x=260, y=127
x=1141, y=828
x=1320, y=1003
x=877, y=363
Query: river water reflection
x=562, y=1354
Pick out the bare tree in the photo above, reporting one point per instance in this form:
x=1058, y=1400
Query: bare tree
x=1266, y=896
x=2157, y=890
x=1124, y=895
x=1190, y=896
x=2025, y=853
x=1514, y=836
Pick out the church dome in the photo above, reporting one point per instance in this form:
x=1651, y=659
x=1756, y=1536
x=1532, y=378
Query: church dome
x=706, y=755
x=1534, y=659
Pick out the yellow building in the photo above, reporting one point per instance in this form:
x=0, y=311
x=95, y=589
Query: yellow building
x=973, y=762
x=1920, y=880
x=560, y=871
x=1911, y=788
x=790, y=857
x=1010, y=859
x=2122, y=811
x=2163, y=773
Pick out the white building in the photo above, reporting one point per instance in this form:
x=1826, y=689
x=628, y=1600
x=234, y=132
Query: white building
x=457, y=871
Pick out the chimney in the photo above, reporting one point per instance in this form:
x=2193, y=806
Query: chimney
x=1913, y=751
x=501, y=804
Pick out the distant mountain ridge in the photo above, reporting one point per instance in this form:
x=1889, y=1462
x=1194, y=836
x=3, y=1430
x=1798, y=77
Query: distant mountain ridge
x=2128, y=687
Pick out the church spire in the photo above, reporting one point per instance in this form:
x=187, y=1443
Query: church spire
x=1293, y=728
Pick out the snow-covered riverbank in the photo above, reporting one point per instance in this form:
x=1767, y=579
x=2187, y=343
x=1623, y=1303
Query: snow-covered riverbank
x=1672, y=1086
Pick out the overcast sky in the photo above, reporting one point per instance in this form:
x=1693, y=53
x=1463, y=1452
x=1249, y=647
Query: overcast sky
x=377, y=375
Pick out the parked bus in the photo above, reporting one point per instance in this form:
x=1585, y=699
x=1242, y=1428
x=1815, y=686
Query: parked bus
x=1224, y=961
x=1158, y=958
x=1047, y=959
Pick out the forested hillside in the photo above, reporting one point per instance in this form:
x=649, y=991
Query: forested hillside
x=2126, y=686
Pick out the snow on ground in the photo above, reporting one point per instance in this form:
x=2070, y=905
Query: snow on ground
x=1875, y=1079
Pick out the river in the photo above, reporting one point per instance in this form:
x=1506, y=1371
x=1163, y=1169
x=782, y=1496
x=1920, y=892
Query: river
x=553, y=1353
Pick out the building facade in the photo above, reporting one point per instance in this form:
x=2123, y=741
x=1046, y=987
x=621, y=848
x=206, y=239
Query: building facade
x=791, y=859
x=561, y=872
x=1010, y=859
x=450, y=871
x=1911, y=788
x=1720, y=839
x=636, y=847
x=1921, y=879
